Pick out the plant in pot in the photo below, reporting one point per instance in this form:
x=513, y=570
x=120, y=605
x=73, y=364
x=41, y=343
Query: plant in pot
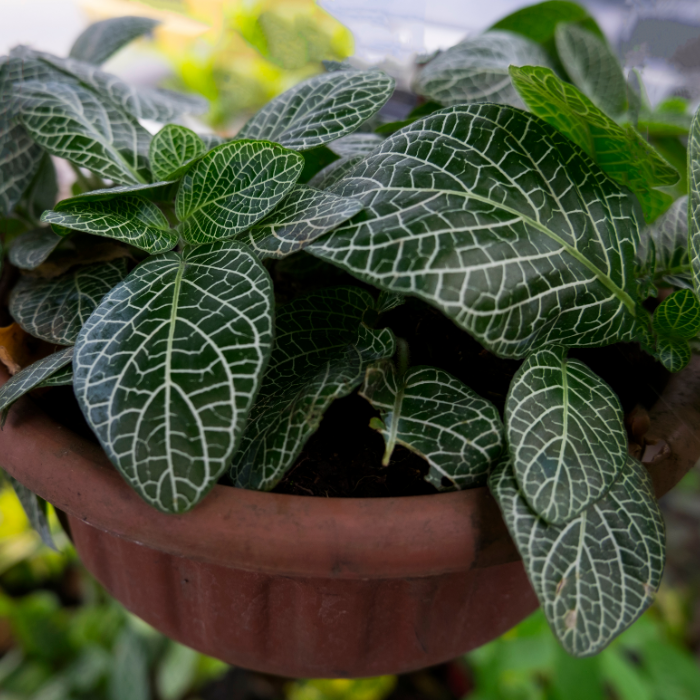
x=213, y=298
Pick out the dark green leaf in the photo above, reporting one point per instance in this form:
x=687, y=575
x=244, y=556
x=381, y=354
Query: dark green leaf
x=619, y=150
x=431, y=413
x=35, y=509
x=694, y=198
x=32, y=377
x=63, y=377
x=167, y=367
x=234, y=186
x=358, y=144
x=155, y=191
x=70, y=121
x=42, y=192
x=103, y=39
x=321, y=109
x=334, y=172
x=132, y=220
x=673, y=353
x=476, y=70
x=55, y=309
x=539, y=21
x=471, y=196
x=173, y=150
x=388, y=301
x=304, y=215
x=597, y=574
x=566, y=434
x=32, y=248
x=592, y=67
x=678, y=316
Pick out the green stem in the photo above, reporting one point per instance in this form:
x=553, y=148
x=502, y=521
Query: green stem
x=82, y=180
x=403, y=360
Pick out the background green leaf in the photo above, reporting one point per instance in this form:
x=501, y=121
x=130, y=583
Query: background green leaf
x=32, y=248
x=694, y=198
x=55, y=309
x=321, y=109
x=431, y=413
x=566, y=434
x=470, y=196
x=596, y=575
x=232, y=187
x=167, y=367
x=35, y=509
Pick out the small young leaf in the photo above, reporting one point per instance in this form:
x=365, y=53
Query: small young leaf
x=597, y=574
x=63, y=377
x=173, y=150
x=71, y=122
x=35, y=510
x=55, y=309
x=566, y=434
x=102, y=40
x=476, y=70
x=132, y=220
x=678, y=316
x=673, y=353
x=619, y=150
x=32, y=248
x=447, y=218
x=358, y=144
x=288, y=412
x=388, y=301
x=304, y=215
x=592, y=67
x=321, y=109
x=32, y=377
x=336, y=171
x=232, y=187
x=431, y=413
x=166, y=368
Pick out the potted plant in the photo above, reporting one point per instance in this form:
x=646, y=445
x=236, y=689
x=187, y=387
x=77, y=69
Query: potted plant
x=214, y=299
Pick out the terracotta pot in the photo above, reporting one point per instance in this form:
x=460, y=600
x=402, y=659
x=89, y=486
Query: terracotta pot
x=304, y=586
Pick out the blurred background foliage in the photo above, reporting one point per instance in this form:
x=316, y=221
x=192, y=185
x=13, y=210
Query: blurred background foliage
x=238, y=54
x=63, y=638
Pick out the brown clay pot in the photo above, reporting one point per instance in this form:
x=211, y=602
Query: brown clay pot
x=304, y=586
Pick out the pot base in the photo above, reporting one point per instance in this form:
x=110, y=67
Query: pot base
x=305, y=627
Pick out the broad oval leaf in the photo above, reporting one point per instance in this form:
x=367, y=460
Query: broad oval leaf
x=132, y=220
x=173, y=150
x=232, y=187
x=321, y=109
x=476, y=69
x=70, y=121
x=566, y=434
x=620, y=151
x=288, y=411
x=469, y=197
x=673, y=353
x=592, y=67
x=431, y=413
x=334, y=172
x=678, y=316
x=32, y=248
x=304, y=215
x=168, y=365
x=103, y=39
x=32, y=377
x=597, y=574
x=55, y=309
x=358, y=144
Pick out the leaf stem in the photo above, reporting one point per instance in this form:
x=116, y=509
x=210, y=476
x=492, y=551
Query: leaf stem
x=403, y=359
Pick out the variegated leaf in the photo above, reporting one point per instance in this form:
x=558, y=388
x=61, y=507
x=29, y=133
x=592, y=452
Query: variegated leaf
x=55, y=309
x=101, y=40
x=173, y=150
x=288, y=412
x=678, y=316
x=167, y=367
x=592, y=67
x=388, y=301
x=304, y=215
x=155, y=191
x=334, y=172
x=43, y=190
x=63, y=377
x=597, y=574
x=694, y=198
x=469, y=197
x=431, y=413
x=32, y=377
x=357, y=144
x=132, y=220
x=35, y=510
x=566, y=434
x=620, y=151
x=32, y=248
x=673, y=353
x=321, y=109
x=476, y=69
x=232, y=187
x=71, y=122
